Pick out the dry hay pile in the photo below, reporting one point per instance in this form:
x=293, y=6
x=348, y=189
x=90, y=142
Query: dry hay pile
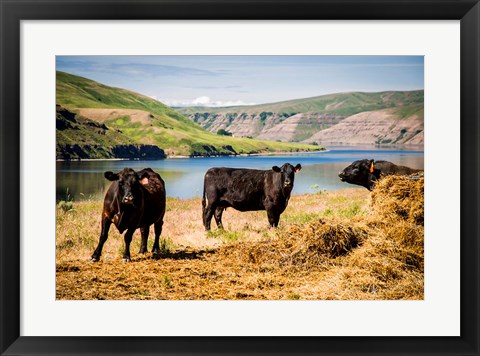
x=390, y=263
x=388, y=266
x=399, y=198
x=305, y=247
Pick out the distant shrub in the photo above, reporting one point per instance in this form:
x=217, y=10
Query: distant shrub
x=223, y=132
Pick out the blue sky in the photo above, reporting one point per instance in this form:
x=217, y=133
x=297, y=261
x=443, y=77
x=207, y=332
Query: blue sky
x=240, y=80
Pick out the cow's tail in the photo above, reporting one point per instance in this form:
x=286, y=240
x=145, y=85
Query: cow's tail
x=203, y=204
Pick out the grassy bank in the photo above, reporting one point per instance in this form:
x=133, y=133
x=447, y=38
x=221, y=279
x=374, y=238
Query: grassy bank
x=348, y=244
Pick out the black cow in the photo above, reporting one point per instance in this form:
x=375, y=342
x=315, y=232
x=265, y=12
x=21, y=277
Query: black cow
x=366, y=172
x=134, y=200
x=247, y=190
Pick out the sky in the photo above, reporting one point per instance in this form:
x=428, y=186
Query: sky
x=247, y=80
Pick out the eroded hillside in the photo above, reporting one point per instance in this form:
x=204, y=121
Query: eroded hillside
x=386, y=117
x=380, y=127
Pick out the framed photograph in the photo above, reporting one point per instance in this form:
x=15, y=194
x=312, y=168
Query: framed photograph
x=307, y=172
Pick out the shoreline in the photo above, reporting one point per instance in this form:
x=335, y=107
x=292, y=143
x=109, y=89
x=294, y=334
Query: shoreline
x=410, y=148
x=280, y=153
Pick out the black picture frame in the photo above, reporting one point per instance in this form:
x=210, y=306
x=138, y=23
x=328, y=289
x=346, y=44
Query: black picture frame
x=13, y=12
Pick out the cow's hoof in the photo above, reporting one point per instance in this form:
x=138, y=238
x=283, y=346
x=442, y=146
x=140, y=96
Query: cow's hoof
x=156, y=255
x=94, y=259
x=127, y=259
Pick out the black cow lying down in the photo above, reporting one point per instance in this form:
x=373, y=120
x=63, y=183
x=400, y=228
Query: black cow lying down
x=133, y=200
x=366, y=172
x=247, y=190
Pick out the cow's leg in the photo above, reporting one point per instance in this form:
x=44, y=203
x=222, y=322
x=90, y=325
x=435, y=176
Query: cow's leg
x=207, y=218
x=218, y=217
x=156, y=244
x=143, y=246
x=273, y=217
x=106, y=222
x=128, y=239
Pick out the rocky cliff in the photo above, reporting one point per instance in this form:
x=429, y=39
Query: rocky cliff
x=267, y=125
x=379, y=127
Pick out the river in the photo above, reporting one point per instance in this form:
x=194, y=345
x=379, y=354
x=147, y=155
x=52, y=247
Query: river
x=83, y=180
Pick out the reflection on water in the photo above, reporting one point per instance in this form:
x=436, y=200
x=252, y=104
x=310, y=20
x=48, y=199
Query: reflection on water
x=184, y=177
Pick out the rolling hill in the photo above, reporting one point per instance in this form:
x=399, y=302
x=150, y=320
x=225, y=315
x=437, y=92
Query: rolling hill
x=305, y=119
x=133, y=119
x=79, y=137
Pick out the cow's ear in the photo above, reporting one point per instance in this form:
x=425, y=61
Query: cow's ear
x=111, y=176
x=298, y=167
x=144, y=178
x=143, y=175
x=371, y=164
x=276, y=169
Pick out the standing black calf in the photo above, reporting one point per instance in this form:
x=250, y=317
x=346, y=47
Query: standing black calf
x=134, y=200
x=247, y=190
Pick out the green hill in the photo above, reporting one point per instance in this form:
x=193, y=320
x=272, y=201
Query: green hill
x=145, y=121
x=79, y=137
x=344, y=104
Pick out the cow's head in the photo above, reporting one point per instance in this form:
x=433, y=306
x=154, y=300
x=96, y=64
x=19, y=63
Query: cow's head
x=362, y=172
x=129, y=185
x=288, y=173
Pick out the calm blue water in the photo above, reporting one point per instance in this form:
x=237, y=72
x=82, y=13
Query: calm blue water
x=184, y=176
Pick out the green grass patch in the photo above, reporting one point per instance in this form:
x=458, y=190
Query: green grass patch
x=301, y=217
x=167, y=282
x=354, y=209
x=225, y=235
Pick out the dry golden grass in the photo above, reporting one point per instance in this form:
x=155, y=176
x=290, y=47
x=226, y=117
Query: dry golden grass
x=334, y=245
x=102, y=115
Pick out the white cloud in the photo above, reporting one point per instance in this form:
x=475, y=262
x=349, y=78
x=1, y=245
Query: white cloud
x=203, y=101
x=175, y=103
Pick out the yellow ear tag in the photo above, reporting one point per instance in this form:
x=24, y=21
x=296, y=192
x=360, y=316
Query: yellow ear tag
x=371, y=168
